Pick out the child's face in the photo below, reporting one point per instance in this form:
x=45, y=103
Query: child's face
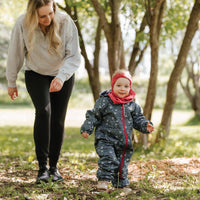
x=121, y=87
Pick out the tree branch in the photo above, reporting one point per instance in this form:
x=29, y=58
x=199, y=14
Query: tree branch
x=136, y=49
x=101, y=14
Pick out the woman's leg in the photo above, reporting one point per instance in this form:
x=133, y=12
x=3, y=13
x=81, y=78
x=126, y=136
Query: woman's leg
x=38, y=89
x=59, y=103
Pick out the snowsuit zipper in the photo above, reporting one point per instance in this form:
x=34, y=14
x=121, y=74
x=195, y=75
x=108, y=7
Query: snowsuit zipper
x=126, y=137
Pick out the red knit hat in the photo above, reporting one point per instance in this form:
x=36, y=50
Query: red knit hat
x=121, y=75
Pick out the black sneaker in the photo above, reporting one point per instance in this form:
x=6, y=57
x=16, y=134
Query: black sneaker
x=55, y=175
x=43, y=175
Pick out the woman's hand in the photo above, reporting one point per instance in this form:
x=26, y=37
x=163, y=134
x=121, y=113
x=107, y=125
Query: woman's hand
x=85, y=135
x=150, y=128
x=12, y=92
x=56, y=85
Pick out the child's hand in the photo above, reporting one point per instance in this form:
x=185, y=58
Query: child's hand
x=150, y=128
x=85, y=135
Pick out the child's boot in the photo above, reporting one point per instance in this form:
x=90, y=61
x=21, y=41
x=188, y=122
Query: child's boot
x=126, y=190
x=103, y=185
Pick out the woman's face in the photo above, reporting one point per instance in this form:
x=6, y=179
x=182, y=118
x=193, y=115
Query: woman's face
x=46, y=14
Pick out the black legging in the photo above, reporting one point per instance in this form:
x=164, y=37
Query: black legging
x=50, y=112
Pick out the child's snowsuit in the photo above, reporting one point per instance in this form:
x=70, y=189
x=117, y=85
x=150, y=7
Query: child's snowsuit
x=113, y=124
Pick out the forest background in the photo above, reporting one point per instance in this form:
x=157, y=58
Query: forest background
x=158, y=42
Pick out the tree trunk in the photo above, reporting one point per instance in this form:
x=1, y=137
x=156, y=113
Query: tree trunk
x=193, y=94
x=155, y=26
x=113, y=34
x=92, y=70
x=192, y=27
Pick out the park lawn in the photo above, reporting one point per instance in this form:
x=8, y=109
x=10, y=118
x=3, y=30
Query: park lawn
x=166, y=171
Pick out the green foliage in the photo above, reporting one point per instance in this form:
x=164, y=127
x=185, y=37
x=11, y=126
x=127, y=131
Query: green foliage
x=11, y=10
x=176, y=17
x=4, y=38
x=133, y=11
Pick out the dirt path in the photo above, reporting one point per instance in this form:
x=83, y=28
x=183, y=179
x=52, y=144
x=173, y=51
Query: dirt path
x=25, y=117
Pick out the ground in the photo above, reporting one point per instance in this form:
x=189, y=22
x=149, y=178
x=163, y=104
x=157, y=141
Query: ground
x=17, y=177
x=171, y=174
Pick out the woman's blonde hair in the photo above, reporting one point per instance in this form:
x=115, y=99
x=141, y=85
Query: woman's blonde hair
x=31, y=23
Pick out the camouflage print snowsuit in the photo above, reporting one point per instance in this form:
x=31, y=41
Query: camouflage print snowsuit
x=113, y=124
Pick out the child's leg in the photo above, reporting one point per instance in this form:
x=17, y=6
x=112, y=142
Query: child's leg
x=120, y=179
x=108, y=163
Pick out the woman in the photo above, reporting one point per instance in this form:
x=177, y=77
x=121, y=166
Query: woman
x=48, y=41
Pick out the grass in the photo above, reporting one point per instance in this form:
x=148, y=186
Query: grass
x=82, y=97
x=194, y=121
x=163, y=171
x=183, y=141
x=78, y=164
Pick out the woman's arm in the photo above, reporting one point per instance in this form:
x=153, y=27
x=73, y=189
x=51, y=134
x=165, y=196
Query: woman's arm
x=72, y=59
x=16, y=53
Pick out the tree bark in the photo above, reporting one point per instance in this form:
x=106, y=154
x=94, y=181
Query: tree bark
x=192, y=91
x=92, y=70
x=155, y=26
x=192, y=27
x=113, y=34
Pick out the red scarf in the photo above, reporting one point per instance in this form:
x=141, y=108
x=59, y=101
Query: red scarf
x=120, y=100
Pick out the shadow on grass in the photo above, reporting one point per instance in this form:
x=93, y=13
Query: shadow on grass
x=195, y=121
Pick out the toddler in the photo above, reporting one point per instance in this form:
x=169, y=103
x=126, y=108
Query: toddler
x=113, y=117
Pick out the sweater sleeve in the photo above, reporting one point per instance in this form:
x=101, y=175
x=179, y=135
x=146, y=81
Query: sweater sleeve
x=16, y=53
x=72, y=57
x=139, y=121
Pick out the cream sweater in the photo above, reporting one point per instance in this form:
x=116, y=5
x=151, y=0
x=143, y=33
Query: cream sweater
x=40, y=60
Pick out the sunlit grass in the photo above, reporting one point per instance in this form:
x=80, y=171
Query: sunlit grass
x=183, y=141
x=74, y=142
x=16, y=141
x=194, y=121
